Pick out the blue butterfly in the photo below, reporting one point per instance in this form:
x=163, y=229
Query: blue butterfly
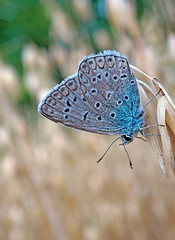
x=102, y=97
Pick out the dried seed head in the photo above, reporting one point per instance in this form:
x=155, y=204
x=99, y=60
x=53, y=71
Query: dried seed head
x=160, y=111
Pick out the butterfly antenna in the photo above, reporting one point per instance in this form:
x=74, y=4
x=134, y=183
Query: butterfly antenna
x=108, y=149
x=130, y=163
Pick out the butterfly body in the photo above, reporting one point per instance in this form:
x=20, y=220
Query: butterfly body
x=102, y=97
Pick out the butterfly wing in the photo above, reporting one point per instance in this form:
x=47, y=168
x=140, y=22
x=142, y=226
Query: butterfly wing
x=110, y=88
x=65, y=103
x=100, y=98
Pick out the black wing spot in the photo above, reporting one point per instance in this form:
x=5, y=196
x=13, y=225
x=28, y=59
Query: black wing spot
x=98, y=104
x=68, y=103
x=94, y=79
x=75, y=99
x=99, y=118
x=123, y=76
x=126, y=97
x=99, y=76
x=132, y=81
x=115, y=77
x=85, y=116
x=109, y=95
x=66, y=110
x=106, y=74
x=66, y=116
x=119, y=102
x=93, y=91
x=112, y=114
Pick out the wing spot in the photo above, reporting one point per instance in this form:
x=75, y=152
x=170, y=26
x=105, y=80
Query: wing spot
x=132, y=81
x=75, y=99
x=126, y=97
x=85, y=116
x=57, y=95
x=84, y=65
x=46, y=109
x=66, y=116
x=92, y=63
x=94, y=80
x=113, y=115
x=119, y=102
x=106, y=74
x=123, y=76
x=64, y=90
x=70, y=83
x=99, y=76
x=68, y=103
x=115, y=77
x=123, y=64
x=94, y=91
x=99, y=118
x=109, y=95
x=66, y=110
x=97, y=104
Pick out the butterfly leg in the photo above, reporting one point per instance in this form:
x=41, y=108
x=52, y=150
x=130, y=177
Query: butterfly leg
x=149, y=126
x=147, y=134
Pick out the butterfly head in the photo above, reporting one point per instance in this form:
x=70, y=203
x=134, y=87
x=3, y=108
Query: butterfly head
x=126, y=139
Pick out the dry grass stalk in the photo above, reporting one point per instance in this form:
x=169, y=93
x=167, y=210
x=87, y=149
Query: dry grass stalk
x=166, y=116
x=161, y=112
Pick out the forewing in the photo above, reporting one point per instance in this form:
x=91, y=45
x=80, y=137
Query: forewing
x=66, y=104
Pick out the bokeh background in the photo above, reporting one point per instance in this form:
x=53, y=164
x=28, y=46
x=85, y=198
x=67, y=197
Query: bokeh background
x=50, y=184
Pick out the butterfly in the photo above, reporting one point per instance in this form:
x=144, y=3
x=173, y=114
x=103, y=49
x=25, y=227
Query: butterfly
x=101, y=97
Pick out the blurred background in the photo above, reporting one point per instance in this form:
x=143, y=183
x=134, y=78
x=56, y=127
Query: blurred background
x=50, y=184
